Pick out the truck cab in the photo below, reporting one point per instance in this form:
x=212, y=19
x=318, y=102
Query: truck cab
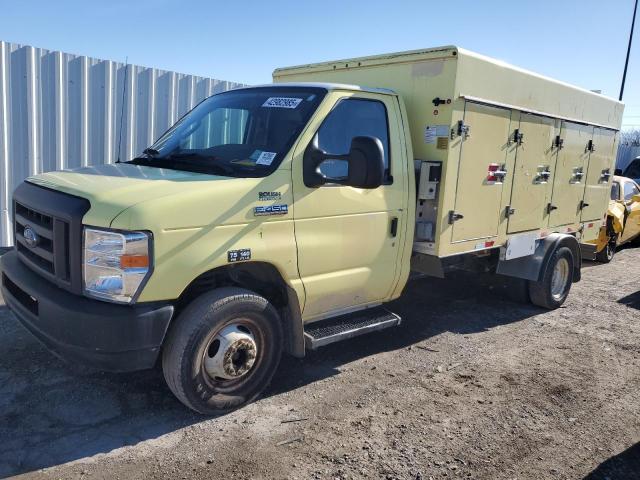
x=239, y=197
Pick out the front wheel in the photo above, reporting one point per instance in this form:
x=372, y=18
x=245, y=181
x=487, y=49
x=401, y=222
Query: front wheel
x=222, y=350
x=606, y=254
x=553, y=289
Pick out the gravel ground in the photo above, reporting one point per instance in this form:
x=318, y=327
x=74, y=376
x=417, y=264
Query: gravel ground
x=470, y=386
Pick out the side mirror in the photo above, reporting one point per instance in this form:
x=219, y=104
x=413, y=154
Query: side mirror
x=617, y=172
x=365, y=164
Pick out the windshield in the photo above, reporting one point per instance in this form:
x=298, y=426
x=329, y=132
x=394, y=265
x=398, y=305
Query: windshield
x=241, y=133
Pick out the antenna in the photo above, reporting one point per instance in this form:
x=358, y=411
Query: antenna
x=626, y=63
x=124, y=93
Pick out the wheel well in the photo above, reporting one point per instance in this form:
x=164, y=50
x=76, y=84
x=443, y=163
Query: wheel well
x=263, y=279
x=260, y=277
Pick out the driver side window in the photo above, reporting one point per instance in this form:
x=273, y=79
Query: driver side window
x=350, y=118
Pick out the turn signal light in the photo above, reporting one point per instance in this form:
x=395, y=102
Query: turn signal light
x=134, y=261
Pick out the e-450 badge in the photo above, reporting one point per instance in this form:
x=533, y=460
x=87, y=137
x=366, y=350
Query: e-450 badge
x=271, y=210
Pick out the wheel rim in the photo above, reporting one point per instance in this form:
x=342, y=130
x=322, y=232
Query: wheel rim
x=231, y=353
x=560, y=278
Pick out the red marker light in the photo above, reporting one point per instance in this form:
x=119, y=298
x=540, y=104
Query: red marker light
x=491, y=177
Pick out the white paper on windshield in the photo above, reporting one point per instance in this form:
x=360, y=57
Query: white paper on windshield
x=265, y=158
x=282, y=102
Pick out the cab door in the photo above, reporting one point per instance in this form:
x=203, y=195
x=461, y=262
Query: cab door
x=349, y=239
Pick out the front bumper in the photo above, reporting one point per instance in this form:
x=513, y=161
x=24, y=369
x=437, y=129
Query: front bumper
x=103, y=335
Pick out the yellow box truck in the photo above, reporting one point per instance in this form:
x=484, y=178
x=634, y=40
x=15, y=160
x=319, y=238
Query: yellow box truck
x=283, y=217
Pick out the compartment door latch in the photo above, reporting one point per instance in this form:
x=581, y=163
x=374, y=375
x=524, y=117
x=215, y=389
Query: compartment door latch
x=454, y=217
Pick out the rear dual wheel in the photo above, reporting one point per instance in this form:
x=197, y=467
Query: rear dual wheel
x=222, y=350
x=552, y=290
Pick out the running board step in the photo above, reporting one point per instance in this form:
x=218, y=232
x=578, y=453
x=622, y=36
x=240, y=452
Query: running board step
x=324, y=332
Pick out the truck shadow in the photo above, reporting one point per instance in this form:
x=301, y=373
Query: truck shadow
x=625, y=465
x=428, y=307
x=53, y=413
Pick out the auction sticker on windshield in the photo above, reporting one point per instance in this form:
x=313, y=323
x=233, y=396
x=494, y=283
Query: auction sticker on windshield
x=265, y=158
x=282, y=102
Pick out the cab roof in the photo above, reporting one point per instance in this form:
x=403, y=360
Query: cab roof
x=325, y=85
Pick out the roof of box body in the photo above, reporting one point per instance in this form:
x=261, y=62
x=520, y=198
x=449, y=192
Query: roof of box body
x=484, y=79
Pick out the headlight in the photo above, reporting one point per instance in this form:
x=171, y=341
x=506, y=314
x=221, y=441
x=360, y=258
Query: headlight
x=116, y=263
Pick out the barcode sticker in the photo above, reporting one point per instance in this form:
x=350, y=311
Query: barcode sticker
x=282, y=102
x=265, y=158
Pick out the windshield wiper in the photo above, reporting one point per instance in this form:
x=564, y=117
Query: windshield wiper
x=150, y=151
x=173, y=161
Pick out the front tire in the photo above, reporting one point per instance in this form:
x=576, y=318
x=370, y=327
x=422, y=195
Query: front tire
x=222, y=350
x=606, y=254
x=553, y=289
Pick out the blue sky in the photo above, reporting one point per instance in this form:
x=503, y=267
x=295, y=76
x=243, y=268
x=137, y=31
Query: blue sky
x=579, y=41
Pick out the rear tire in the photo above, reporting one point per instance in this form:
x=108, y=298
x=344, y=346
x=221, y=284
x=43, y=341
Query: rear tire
x=553, y=289
x=222, y=350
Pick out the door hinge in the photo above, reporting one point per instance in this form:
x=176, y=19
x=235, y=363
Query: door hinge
x=461, y=130
x=558, y=142
x=509, y=211
x=454, y=217
x=591, y=147
x=518, y=137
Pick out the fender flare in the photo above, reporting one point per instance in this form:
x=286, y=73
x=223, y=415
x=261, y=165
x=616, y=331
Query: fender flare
x=534, y=267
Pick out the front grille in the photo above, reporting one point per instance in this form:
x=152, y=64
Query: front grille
x=42, y=254
x=53, y=247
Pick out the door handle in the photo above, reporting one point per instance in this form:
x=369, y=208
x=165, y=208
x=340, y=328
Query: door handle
x=394, y=226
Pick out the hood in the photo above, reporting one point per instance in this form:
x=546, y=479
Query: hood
x=116, y=187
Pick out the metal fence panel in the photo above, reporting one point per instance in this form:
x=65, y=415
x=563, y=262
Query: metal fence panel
x=59, y=110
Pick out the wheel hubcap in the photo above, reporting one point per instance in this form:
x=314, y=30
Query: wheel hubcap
x=231, y=353
x=559, y=278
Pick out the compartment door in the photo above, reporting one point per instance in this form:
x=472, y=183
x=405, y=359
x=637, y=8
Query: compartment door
x=570, y=175
x=599, y=175
x=535, y=163
x=478, y=198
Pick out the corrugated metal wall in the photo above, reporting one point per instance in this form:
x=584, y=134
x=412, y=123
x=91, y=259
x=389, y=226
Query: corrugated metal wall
x=59, y=110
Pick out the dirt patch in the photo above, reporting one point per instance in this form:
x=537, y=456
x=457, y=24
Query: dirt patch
x=470, y=386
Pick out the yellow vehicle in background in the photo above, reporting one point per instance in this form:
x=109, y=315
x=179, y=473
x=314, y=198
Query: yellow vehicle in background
x=623, y=218
x=284, y=217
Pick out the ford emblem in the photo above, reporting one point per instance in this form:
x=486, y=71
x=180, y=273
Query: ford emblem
x=30, y=236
